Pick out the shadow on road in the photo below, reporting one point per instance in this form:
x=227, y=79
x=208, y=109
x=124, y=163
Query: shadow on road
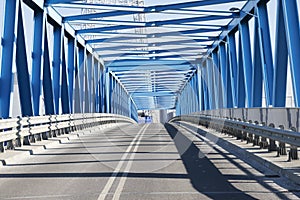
x=204, y=176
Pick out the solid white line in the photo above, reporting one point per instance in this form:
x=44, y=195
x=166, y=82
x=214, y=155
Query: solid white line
x=118, y=168
x=126, y=171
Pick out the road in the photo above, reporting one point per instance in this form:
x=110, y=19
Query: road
x=149, y=161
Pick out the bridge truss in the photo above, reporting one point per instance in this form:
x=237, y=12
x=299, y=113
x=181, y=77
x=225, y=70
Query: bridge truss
x=192, y=56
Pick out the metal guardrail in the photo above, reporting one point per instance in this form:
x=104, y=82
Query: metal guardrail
x=286, y=117
x=25, y=130
x=258, y=134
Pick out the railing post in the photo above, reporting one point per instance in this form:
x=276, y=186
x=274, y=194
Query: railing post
x=19, y=128
x=45, y=134
x=293, y=153
x=31, y=137
x=26, y=140
x=272, y=145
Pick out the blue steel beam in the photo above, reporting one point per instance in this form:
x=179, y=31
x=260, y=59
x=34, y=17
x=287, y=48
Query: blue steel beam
x=204, y=87
x=241, y=91
x=77, y=96
x=257, y=69
x=47, y=82
x=156, y=8
x=223, y=71
x=152, y=94
x=57, y=66
x=233, y=67
x=234, y=23
x=148, y=68
x=96, y=86
x=229, y=83
x=81, y=74
x=37, y=60
x=218, y=84
x=156, y=35
x=155, y=23
x=154, y=52
x=281, y=60
x=86, y=90
x=152, y=62
x=293, y=40
x=99, y=6
x=210, y=82
x=8, y=42
x=149, y=9
x=22, y=69
x=266, y=52
x=71, y=70
x=173, y=49
x=64, y=84
x=247, y=60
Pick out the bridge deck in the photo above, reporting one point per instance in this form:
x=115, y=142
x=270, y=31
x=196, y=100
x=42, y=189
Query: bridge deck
x=136, y=162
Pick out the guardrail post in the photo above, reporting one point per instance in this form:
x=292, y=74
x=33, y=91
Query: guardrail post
x=10, y=145
x=281, y=150
x=293, y=153
x=68, y=129
x=256, y=138
x=263, y=144
x=73, y=125
x=38, y=136
x=249, y=138
x=45, y=134
x=26, y=140
x=53, y=124
x=18, y=142
x=57, y=130
x=50, y=135
x=83, y=122
x=272, y=146
x=238, y=133
x=31, y=137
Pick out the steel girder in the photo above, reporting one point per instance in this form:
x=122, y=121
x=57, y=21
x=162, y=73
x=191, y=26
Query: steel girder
x=66, y=74
x=253, y=82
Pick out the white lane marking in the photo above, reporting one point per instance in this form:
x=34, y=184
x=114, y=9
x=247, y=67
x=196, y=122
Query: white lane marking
x=35, y=197
x=119, y=166
x=121, y=184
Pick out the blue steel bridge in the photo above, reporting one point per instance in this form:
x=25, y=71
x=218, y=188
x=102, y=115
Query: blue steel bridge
x=75, y=73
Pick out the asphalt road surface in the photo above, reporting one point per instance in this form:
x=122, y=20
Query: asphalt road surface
x=149, y=161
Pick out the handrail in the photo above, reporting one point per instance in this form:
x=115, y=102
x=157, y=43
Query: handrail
x=280, y=135
x=24, y=130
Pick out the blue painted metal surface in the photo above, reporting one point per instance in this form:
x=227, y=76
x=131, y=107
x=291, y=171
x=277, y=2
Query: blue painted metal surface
x=47, y=82
x=293, y=40
x=37, y=60
x=64, y=85
x=247, y=61
x=281, y=60
x=232, y=68
x=191, y=62
x=8, y=41
x=22, y=69
x=56, y=67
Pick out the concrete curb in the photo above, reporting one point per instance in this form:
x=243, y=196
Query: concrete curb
x=265, y=166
